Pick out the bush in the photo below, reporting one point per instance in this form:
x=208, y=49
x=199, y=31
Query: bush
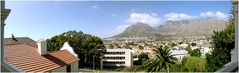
x=195, y=53
x=132, y=69
x=194, y=64
x=141, y=58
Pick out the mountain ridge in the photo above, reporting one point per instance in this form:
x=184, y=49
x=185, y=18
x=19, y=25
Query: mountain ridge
x=193, y=27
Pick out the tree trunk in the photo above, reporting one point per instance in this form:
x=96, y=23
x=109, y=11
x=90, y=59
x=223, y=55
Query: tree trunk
x=167, y=69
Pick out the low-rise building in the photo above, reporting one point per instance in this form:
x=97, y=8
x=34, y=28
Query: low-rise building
x=32, y=56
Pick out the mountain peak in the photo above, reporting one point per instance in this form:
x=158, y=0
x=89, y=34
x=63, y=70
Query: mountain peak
x=193, y=27
x=138, y=29
x=140, y=23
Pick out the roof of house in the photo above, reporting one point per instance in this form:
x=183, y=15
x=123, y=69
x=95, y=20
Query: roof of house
x=62, y=57
x=20, y=40
x=26, y=58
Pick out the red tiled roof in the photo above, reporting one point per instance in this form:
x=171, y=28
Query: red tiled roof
x=20, y=40
x=61, y=57
x=26, y=58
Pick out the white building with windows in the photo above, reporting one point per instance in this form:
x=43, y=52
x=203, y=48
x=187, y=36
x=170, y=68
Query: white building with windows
x=118, y=57
x=179, y=54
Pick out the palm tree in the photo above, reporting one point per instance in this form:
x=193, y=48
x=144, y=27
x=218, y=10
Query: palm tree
x=162, y=59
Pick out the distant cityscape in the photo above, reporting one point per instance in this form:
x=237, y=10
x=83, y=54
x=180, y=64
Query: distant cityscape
x=147, y=43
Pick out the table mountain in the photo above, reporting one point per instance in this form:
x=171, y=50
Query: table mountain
x=193, y=27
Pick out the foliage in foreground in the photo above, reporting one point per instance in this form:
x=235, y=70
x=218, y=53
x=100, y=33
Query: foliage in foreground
x=162, y=60
x=188, y=64
x=223, y=42
x=195, y=53
x=141, y=59
x=194, y=64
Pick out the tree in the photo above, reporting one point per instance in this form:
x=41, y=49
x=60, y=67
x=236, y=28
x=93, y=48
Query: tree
x=217, y=59
x=111, y=46
x=162, y=60
x=166, y=47
x=175, y=67
x=195, y=53
x=146, y=44
x=117, y=45
x=189, y=49
x=193, y=64
x=223, y=42
x=173, y=44
x=141, y=47
x=193, y=44
x=85, y=45
x=180, y=43
x=142, y=57
x=126, y=45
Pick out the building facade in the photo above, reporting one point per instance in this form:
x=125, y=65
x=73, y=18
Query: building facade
x=118, y=57
x=179, y=54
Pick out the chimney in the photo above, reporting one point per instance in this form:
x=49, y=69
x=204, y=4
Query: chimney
x=42, y=47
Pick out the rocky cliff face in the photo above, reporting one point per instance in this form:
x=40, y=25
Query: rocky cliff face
x=194, y=27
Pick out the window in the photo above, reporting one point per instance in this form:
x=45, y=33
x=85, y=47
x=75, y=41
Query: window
x=115, y=52
x=114, y=58
x=113, y=62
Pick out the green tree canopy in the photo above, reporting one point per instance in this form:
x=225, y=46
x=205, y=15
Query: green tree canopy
x=142, y=57
x=162, y=60
x=193, y=64
x=141, y=47
x=193, y=44
x=111, y=46
x=188, y=48
x=85, y=45
x=195, y=53
x=173, y=44
x=223, y=42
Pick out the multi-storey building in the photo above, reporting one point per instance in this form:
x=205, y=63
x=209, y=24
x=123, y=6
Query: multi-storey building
x=118, y=57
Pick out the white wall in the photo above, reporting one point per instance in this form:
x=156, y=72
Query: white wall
x=179, y=54
x=128, y=58
x=61, y=69
x=74, y=67
x=67, y=46
x=42, y=47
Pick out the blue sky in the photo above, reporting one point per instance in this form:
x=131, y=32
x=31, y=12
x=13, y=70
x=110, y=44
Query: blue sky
x=44, y=19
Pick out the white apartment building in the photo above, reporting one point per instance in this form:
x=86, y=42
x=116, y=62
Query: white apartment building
x=179, y=54
x=118, y=57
